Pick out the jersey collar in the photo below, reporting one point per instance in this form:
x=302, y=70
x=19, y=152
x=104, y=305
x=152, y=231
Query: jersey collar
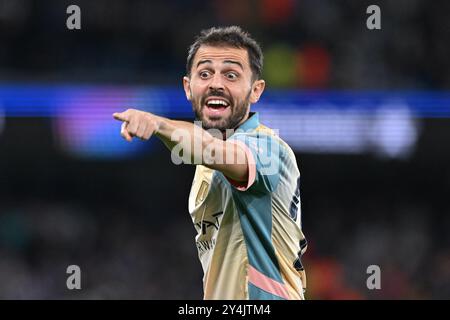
x=251, y=123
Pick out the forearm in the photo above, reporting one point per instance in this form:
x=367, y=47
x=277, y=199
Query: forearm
x=198, y=146
x=189, y=138
x=187, y=141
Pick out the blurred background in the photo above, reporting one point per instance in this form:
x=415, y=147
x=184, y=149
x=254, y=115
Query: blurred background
x=366, y=111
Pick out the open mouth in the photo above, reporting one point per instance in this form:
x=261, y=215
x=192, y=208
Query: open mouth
x=216, y=106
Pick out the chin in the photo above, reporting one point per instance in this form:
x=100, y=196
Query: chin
x=216, y=123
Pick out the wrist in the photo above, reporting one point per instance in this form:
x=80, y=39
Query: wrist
x=160, y=126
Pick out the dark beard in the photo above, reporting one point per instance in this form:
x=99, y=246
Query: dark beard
x=238, y=112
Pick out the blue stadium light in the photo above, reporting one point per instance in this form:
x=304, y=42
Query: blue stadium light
x=384, y=122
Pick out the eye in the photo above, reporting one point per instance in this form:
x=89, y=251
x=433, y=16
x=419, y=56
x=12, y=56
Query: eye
x=231, y=75
x=204, y=74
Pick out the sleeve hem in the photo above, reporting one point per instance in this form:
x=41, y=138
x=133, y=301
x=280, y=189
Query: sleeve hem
x=244, y=185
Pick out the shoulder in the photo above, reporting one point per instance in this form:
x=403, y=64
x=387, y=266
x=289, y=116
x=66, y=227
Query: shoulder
x=267, y=134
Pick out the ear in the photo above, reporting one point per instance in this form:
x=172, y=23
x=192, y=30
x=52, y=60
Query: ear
x=257, y=90
x=186, y=86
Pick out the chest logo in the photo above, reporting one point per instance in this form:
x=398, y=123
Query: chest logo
x=205, y=224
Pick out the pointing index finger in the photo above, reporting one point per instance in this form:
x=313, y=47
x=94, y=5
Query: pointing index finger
x=121, y=116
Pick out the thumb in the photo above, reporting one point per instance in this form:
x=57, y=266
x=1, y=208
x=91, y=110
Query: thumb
x=124, y=132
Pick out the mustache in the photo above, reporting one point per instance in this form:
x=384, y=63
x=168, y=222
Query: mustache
x=215, y=93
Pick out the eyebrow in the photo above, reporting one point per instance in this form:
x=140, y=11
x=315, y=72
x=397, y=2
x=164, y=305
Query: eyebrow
x=225, y=61
x=234, y=62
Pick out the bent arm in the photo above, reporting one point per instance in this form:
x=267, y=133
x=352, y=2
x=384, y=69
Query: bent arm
x=194, y=143
x=199, y=146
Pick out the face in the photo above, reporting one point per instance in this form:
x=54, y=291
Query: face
x=220, y=87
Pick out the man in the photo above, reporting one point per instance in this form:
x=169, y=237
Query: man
x=245, y=198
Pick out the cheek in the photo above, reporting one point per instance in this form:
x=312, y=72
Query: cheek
x=241, y=96
x=198, y=90
x=240, y=90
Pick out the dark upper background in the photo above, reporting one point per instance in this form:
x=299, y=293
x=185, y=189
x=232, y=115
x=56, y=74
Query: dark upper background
x=125, y=221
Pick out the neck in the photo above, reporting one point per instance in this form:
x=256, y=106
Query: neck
x=227, y=133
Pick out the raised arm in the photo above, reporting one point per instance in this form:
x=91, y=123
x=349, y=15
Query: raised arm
x=195, y=143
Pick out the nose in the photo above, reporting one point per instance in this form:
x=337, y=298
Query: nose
x=216, y=83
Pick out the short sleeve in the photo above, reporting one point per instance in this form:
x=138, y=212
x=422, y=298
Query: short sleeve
x=264, y=161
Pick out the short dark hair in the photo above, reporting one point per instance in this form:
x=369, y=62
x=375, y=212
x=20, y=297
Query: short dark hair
x=232, y=36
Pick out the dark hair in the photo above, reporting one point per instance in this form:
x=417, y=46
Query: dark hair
x=232, y=36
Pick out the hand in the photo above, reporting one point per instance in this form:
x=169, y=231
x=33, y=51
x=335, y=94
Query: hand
x=137, y=123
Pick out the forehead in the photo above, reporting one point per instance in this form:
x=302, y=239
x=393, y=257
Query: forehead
x=220, y=54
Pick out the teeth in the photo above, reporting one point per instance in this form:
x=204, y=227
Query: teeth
x=218, y=102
